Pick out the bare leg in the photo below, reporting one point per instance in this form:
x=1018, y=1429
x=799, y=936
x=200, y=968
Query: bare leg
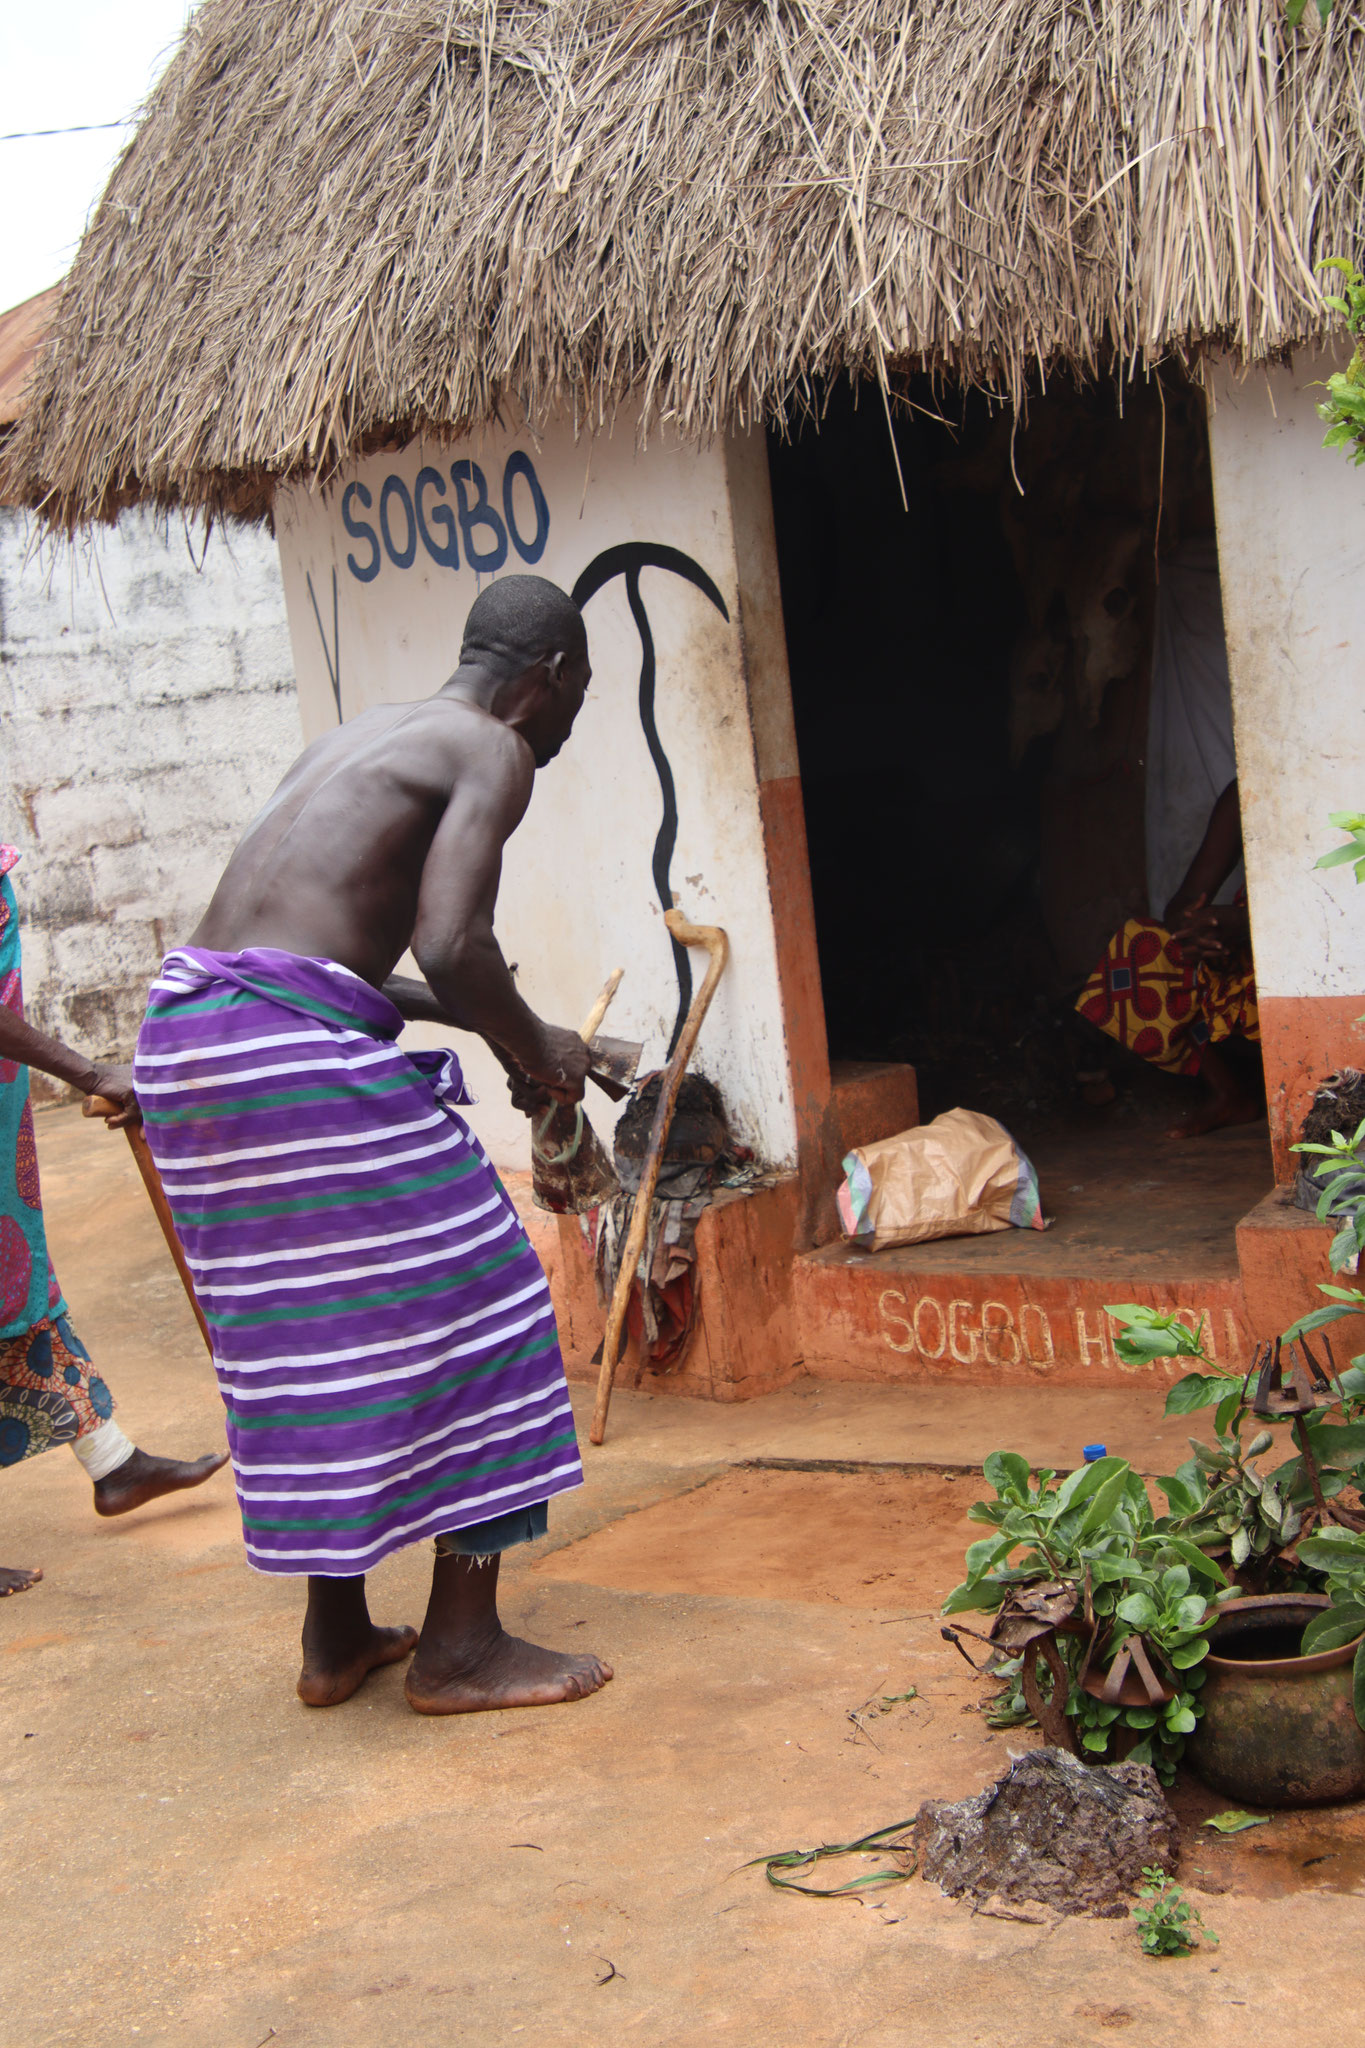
x=466, y=1662
x=1228, y=1101
x=15, y=1580
x=142, y=1478
x=341, y=1645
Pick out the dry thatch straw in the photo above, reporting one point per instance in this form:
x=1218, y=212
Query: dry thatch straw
x=341, y=222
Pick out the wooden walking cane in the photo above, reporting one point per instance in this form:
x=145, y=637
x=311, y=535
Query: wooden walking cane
x=718, y=947
x=100, y=1105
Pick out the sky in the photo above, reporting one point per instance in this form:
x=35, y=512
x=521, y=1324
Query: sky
x=63, y=63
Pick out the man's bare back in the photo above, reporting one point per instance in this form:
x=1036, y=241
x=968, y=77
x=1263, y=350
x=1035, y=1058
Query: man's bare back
x=388, y=833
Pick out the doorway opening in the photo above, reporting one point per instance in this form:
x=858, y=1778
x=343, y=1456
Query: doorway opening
x=971, y=670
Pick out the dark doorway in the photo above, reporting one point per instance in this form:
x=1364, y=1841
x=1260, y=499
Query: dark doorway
x=969, y=669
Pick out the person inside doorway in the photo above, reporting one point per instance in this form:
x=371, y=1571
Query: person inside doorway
x=1177, y=989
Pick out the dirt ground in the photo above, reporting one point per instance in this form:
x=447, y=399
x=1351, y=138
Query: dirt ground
x=194, y=1858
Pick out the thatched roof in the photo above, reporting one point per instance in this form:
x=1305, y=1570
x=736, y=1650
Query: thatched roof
x=22, y=331
x=341, y=221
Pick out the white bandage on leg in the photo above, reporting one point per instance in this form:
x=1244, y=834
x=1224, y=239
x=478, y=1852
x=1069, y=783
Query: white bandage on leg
x=103, y=1450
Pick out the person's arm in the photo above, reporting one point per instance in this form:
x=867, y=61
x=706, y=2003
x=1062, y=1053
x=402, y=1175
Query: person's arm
x=413, y=999
x=1204, y=928
x=453, y=941
x=29, y=1048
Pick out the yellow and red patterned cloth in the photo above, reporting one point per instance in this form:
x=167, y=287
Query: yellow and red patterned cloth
x=1163, y=1007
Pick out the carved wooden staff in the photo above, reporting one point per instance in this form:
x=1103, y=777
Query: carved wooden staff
x=718, y=948
x=100, y=1105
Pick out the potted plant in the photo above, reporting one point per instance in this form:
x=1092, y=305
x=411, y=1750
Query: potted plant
x=1102, y=1617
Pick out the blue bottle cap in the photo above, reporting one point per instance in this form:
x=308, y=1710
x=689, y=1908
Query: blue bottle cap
x=1090, y=1452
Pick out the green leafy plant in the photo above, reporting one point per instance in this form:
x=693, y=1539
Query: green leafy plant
x=1344, y=406
x=1340, y=1555
x=1077, y=1572
x=1352, y=823
x=1170, y=1925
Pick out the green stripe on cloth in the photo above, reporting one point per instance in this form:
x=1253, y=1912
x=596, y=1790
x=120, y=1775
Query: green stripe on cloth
x=304, y=1419
x=175, y=1006
x=356, y=1304
x=340, y=1198
x=282, y=1098
x=261, y=991
x=489, y=1469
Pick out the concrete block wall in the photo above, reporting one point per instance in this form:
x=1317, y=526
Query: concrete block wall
x=147, y=709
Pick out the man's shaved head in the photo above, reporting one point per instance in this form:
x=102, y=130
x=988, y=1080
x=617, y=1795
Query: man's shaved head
x=520, y=619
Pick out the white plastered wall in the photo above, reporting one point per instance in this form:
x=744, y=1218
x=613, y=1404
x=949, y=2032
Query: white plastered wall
x=578, y=896
x=1291, y=549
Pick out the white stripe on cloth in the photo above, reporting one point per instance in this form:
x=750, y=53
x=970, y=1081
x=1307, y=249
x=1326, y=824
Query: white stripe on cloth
x=555, y=1391
x=299, y=1390
x=410, y=1471
x=335, y=1249
x=448, y=1142
x=418, y=1262
x=342, y=1140
x=437, y=1517
x=205, y=1083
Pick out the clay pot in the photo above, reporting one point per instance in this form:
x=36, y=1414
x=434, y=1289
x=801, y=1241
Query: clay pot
x=1278, y=1729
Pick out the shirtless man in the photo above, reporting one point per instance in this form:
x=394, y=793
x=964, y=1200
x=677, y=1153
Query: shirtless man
x=382, y=1329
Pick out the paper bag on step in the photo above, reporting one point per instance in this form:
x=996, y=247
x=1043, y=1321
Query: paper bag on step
x=960, y=1174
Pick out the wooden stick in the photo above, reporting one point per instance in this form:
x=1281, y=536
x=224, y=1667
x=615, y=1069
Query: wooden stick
x=592, y=1023
x=99, y=1105
x=718, y=947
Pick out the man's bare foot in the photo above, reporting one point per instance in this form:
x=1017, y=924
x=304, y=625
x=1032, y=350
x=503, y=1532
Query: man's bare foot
x=507, y=1673
x=1218, y=1112
x=328, y=1676
x=142, y=1478
x=14, y=1580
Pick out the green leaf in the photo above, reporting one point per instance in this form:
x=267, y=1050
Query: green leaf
x=1339, y=1550
x=1358, y=1686
x=1188, y=1654
x=986, y=1553
x=1138, y=1609
x=1293, y=12
x=1339, y=1445
x=973, y=1594
x=1007, y=1471
x=1333, y=1629
x=1085, y=1481
x=1180, y=1720
x=1233, y=1821
x=1197, y=1390
x=1339, y=854
x=1095, y=1738
x=1227, y=1409
x=1105, y=1501
x=1198, y=1560
x=1319, y=1318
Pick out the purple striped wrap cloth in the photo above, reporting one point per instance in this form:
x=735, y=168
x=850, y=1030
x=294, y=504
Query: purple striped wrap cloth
x=382, y=1329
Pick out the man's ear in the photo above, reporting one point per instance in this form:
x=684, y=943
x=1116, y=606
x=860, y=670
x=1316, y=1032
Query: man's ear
x=554, y=666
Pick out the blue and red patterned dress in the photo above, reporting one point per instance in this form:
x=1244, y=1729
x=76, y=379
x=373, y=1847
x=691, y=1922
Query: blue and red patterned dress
x=49, y=1391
